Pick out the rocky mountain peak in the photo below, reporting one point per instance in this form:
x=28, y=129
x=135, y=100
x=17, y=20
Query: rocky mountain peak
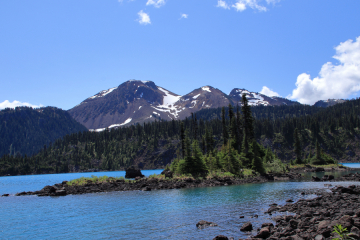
x=136, y=101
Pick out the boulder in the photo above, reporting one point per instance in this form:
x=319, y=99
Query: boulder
x=203, y=224
x=246, y=227
x=133, y=172
x=264, y=233
x=5, y=195
x=167, y=173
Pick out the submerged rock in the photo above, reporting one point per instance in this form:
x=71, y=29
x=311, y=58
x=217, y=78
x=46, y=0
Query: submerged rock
x=203, y=224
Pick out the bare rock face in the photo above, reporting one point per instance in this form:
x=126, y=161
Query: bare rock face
x=133, y=172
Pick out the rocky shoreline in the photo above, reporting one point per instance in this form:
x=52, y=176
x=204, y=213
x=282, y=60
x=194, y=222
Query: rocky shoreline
x=149, y=184
x=314, y=218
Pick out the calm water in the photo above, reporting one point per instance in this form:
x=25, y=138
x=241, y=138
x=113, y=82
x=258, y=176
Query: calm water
x=163, y=214
x=351, y=165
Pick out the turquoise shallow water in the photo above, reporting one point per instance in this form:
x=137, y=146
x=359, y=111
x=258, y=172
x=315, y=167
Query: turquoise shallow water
x=351, y=165
x=163, y=214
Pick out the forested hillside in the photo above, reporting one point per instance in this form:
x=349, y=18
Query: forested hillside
x=156, y=144
x=24, y=130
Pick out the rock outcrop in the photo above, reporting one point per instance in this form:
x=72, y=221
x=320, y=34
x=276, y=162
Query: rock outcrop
x=133, y=172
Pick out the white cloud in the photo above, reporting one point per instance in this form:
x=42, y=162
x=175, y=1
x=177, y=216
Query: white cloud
x=156, y=3
x=184, y=16
x=334, y=81
x=7, y=104
x=241, y=5
x=222, y=4
x=144, y=18
x=268, y=92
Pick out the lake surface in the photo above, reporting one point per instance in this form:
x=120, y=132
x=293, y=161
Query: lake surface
x=162, y=214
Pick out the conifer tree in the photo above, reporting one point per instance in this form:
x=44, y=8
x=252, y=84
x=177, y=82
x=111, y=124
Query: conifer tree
x=257, y=163
x=182, y=139
x=297, y=147
x=232, y=160
x=224, y=130
x=198, y=166
x=248, y=119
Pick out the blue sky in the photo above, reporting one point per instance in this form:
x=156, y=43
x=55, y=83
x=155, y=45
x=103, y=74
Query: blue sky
x=60, y=52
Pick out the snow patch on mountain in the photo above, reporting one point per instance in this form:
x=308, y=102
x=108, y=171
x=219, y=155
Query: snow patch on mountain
x=195, y=97
x=168, y=104
x=111, y=126
x=206, y=89
x=103, y=93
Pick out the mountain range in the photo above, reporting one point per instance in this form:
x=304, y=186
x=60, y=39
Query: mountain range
x=137, y=101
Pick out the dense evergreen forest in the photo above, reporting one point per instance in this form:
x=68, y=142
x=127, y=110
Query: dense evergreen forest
x=25, y=130
x=217, y=136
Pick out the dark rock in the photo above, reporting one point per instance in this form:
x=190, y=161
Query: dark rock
x=246, y=227
x=61, y=192
x=133, y=172
x=315, y=179
x=48, y=189
x=220, y=237
x=264, y=233
x=241, y=216
x=293, y=223
x=146, y=189
x=167, y=173
x=203, y=224
x=5, y=195
x=289, y=200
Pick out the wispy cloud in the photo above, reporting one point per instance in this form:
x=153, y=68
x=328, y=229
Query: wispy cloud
x=156, y=3
x=268, y=92
x=242, y=5
x=334, y=80
x=183, y=15
x=222, y=4
x=144, y=18
x=8, y=104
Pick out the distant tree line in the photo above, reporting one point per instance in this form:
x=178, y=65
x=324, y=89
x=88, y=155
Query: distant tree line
x=220, y=135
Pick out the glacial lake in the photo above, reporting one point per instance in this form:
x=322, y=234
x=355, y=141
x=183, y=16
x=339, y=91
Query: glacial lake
x=160, y=214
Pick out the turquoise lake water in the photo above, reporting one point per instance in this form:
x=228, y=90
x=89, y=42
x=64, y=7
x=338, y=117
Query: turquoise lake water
x=162, y=214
